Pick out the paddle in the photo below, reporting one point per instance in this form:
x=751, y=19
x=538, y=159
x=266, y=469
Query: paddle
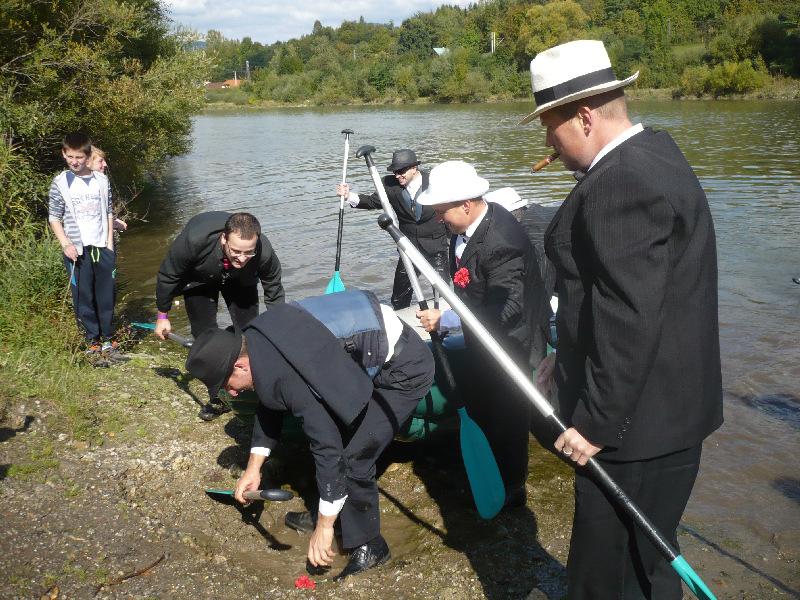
x=485, y=482
x=526, y=385
x=185, y=342
x=275, y=494
x=336, y=284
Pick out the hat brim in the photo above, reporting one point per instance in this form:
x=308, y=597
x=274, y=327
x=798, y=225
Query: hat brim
x=427, y=198
x=593, y=91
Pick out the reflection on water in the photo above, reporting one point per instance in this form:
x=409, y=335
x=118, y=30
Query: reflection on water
x=283, y=165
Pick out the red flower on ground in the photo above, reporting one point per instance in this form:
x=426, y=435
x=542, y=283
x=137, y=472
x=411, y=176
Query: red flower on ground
x=304, y=582
x=461, y=278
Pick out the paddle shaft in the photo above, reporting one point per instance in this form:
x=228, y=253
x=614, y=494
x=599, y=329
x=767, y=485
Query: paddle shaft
x=436, y=340
x=347, y=133
x=185, y=342
x=541, y=404
x=486, y=482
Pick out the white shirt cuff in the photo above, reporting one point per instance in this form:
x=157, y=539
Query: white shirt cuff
x=261, y=451
x=449, y=320
x=353, y=199
x=331, y=509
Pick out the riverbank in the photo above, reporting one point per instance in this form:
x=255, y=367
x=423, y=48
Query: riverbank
x=778, y=89
x=78, y=513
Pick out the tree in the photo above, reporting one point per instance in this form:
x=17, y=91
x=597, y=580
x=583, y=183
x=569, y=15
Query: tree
x=555, y=23
x=111, y=69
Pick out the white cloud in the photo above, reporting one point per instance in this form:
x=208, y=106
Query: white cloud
x=269, y=21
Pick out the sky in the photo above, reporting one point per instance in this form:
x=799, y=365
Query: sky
x=269, y=21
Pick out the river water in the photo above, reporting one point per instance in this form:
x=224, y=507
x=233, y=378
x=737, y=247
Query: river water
x=283, y=165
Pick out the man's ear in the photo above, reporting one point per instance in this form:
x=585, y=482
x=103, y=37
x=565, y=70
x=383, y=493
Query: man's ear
x=223, y=239
x=585, y=119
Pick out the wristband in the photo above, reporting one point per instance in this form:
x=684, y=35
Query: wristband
x=162, y=316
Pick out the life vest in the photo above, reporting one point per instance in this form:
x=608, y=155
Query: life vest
x=355, y=318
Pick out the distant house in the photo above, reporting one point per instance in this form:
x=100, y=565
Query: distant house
x=223, y=85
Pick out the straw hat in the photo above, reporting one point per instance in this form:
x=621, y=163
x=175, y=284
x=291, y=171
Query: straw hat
x=506, y=197
x=570, y=72
x=453, y=181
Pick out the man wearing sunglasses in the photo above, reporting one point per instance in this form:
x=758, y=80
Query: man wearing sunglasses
x=417, y=222
x=218, y=253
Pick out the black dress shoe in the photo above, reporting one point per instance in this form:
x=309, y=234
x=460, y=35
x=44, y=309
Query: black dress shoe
x=304, y=522
x=301, y=522
x=515, y=498
x=372, y=554
x=212, y=410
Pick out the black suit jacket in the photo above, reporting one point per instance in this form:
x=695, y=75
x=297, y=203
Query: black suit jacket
x=195, y=258
x=638, y=342
x=428, y=235
x=505, y=290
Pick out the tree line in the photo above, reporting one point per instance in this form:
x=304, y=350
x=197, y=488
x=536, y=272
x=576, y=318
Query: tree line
x=695, y=47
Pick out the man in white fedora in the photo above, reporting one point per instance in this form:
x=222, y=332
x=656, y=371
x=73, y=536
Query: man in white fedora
x=491, y=263
x=638, y=365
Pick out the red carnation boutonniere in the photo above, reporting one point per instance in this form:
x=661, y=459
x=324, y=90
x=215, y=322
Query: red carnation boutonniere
x=461, y=278
x=226, y=263
x=304, y=582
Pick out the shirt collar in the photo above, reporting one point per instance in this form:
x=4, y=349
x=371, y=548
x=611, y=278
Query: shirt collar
x=414, y=185
x=629, y=133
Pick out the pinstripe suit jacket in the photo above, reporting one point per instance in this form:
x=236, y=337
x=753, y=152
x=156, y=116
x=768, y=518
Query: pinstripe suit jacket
x=638, y=342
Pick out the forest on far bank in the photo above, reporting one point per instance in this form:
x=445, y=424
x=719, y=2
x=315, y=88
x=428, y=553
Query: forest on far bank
x=692, y=47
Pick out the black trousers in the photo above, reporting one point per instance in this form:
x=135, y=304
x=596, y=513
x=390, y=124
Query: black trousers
x=609, y=557
x=202, y=303
x=401, y=290
x=93, y=292
x=398, y=388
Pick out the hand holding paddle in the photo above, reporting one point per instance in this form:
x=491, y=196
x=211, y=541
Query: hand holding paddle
x=603, y=479
x=274, y=494
x=336, y=284
x=185, y=342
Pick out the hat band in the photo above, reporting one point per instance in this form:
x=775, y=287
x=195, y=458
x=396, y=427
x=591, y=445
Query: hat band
x=573, y=86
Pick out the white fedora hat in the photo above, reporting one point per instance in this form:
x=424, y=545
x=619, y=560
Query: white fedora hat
x=453, y=181
x=506, y=197
x=570, y=72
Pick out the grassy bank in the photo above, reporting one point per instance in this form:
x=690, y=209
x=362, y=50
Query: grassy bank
x=43, y=352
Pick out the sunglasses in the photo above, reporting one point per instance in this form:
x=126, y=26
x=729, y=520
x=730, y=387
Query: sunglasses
x=403, y=170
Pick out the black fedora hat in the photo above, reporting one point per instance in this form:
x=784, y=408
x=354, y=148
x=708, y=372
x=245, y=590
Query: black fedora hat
x=402, y=159
x=212, y=356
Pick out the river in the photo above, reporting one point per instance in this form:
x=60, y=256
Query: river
x=283, y=165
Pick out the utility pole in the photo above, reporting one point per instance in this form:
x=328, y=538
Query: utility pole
x=247, y=65
x=493, y=41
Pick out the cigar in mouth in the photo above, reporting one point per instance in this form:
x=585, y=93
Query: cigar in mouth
x=544, y=162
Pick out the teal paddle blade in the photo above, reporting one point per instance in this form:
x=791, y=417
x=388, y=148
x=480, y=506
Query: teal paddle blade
x=487, y=486
x=692, y=579
x=335, y=284
x=144, y=325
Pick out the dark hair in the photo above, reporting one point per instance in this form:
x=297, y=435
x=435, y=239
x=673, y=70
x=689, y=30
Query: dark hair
x=77, y=141
x=245, y=225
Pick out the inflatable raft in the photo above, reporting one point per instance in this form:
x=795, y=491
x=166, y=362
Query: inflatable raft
x=435, y=413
